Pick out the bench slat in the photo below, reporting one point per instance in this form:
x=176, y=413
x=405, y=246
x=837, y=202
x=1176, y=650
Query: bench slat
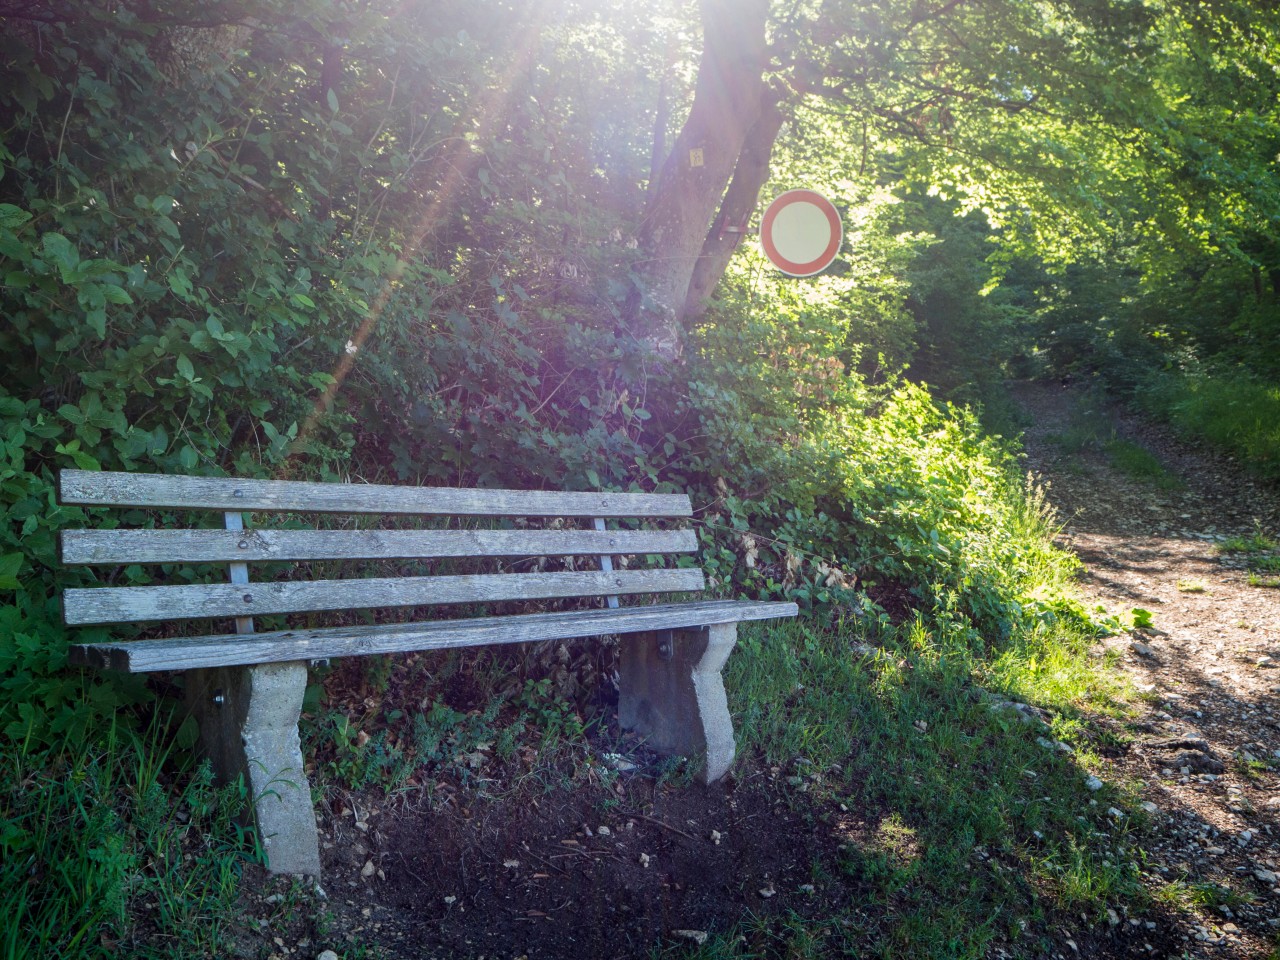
x=227, y=546
x=104, y=488
x=130, y=604
x=186, y=653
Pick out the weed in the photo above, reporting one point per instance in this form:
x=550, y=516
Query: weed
x=1272, y=583
x=94, y=839
x=1237, y=413
x=1137, y=462
x=1192, y=586
x=972, y=802
x=1202, y=895
x=1256, y=542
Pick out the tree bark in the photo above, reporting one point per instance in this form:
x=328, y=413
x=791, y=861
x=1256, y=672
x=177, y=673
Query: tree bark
x=727, y=102
x=740, y=201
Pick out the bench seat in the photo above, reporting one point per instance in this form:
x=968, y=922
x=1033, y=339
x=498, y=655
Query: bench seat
x=245, y=688
x=221, y=650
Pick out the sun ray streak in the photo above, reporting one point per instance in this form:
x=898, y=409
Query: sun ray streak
x=488, y=112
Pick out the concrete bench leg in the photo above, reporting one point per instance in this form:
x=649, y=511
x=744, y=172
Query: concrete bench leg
x=252, y=731
x=670, y=690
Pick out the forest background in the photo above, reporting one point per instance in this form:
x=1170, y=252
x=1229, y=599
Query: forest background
x=463, y=243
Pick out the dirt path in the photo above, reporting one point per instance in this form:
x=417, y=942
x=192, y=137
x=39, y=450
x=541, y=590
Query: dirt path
x=1206, y=749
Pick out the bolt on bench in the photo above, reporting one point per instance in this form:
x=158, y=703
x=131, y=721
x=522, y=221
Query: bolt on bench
x=246, y=688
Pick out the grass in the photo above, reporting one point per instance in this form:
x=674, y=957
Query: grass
x=1202, y=895
x=1082, y=435
x=1192, y=586
x=1262, y=556
x=969, y=818
x=1252, y=544
x=1139, y=463
x=1236, y=413
x=112, y=848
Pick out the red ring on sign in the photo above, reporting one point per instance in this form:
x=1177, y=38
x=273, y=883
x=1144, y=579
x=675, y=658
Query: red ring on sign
x=823, y=260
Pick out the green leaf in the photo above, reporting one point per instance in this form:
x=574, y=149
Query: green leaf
x=61, y=251
x=185, y=368
x=332, y=99
x=188, y=457
x=114, y=294
x=10, y=563
x=11, y=216
x=72, y=413
x=180, y=284
x=163, y=204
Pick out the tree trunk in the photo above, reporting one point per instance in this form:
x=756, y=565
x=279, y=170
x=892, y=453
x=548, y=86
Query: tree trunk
x=739, y=203
x=726, y=104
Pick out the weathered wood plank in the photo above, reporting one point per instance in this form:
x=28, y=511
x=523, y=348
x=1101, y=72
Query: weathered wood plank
x=135, y=604
x=93, y=488
x=188, y=653
x=225, y=546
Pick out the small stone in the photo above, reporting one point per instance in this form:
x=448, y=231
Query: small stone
x=716, y=837
x=697, y=936
x=768, y=892
x=1268, y=662
x=1115, y=813
x=619, y=762
x=1266, y=876
x=450, y=901
x=1194, y=760
x=1230, y=928
x=644, y=860
x=603, y=831
x=326, y=955
x=1113, y=918
x=511, y=864
x=1092, y=783
x=1150, y=807
x=368, y=870
x=807, y=888
x=1142, y=649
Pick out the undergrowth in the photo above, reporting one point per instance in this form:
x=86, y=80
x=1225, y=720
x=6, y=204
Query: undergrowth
x=113, y=847
x=1237, y=413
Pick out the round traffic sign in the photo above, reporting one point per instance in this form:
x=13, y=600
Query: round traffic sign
x=801, y=233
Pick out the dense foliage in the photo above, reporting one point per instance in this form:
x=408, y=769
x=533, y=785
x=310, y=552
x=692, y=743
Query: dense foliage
x=407, y=245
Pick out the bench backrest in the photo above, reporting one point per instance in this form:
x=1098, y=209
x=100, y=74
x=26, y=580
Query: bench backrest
x=238, y=547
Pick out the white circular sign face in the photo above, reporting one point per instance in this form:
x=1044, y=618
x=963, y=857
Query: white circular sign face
x=801, y=233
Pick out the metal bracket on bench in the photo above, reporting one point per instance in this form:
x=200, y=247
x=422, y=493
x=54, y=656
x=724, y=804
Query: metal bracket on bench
x=666, y=644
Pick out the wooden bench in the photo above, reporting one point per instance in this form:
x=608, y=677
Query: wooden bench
x=246, y=688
